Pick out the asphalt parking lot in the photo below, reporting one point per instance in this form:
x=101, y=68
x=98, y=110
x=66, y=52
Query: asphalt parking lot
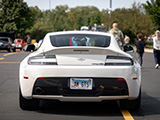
x=9, y=106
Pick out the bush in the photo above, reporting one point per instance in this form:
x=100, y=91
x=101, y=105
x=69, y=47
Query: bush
x=38, y=34
x=149, y=43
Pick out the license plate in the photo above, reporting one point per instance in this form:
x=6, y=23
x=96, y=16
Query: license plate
x=81, y=83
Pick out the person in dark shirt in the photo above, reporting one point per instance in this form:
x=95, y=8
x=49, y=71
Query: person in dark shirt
x=28, y=39
x=140, y=44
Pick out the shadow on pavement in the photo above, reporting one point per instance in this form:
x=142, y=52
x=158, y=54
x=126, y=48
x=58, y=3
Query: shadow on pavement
x=149, y=106
x=81, y=109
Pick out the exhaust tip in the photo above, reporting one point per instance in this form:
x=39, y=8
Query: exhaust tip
x=38, y=90
x=123, y=90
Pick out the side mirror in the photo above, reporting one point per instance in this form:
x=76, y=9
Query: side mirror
x=128, y=48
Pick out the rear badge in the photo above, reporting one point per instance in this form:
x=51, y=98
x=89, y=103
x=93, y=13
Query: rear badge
x=81, y=59
x=97, y=64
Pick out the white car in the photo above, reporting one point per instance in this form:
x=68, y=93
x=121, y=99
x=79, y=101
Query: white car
x=80, y=66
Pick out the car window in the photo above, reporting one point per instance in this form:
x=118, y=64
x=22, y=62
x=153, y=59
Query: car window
x=80, y=40
x=4, y=39
x=19, y=41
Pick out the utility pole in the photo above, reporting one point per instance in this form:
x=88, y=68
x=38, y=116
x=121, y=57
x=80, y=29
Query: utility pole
x=50, y=5
x=110, y=12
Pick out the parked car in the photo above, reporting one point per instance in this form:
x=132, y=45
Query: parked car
x=84, y=28
x=7, y=44
x=94, y=69
x=20, y=43
x=101, y=29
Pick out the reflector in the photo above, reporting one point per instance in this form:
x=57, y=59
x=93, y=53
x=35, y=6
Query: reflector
x=25, y=77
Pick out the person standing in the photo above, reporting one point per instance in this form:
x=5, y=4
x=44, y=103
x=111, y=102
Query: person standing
x=140, y=44
x=156, y=48
x=117, y=33
x=28, y=39
x=126, y=40
x=126, y=46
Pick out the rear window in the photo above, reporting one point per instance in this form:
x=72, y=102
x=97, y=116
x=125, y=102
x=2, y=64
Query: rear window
x=80, y=40
x=4, y=39
x=18, y=41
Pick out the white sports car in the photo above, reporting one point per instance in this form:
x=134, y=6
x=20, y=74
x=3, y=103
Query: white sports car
x=81, y=66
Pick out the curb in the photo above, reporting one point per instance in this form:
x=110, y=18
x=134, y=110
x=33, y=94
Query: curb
x=148, y=50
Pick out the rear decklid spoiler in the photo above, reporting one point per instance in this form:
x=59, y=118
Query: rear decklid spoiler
x=81, y=56
x=81, y=50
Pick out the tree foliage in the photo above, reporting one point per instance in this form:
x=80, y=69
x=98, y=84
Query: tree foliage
x=134, y=21
x=16, y=16
x=153, y=8
x=131, y=21
x=83, y=16
x=64, y=18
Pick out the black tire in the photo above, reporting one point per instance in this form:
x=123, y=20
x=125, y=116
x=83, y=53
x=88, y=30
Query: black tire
x=9, y=50
x=131, y=104
x=14, y=49
x=27, y=104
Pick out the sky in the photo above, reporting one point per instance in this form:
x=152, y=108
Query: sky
x=100, y=4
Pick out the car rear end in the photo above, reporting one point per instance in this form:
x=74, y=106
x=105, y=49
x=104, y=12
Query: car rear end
x=5, y=43
x=18, y=43
x=71, y=73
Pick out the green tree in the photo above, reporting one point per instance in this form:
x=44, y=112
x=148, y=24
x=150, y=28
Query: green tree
x=105, y=18
x=153, y=8
x=16, y=16
x=131, y=21
x=59, y=18
x=83, y=16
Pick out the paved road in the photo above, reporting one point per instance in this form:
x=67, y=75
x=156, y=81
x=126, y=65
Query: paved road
x=9, y=107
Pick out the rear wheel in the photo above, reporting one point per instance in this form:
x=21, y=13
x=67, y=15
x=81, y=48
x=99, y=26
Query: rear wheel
x=14, y=49
x=28, y=104
x=9, y=50
x=131, y=104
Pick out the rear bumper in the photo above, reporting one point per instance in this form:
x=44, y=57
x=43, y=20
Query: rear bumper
x=3, y=48
x=80, y=99
x=61, y=86
x=18, y=47
x=126, y=72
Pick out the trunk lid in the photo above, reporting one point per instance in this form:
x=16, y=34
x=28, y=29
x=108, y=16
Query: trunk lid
x=80, y=56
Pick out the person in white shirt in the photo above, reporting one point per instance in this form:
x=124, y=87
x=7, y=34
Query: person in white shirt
x=156, y=50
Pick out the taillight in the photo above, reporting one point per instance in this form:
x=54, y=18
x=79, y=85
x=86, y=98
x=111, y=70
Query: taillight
x=43, y=60
x=6, y=45
x=118, y=61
